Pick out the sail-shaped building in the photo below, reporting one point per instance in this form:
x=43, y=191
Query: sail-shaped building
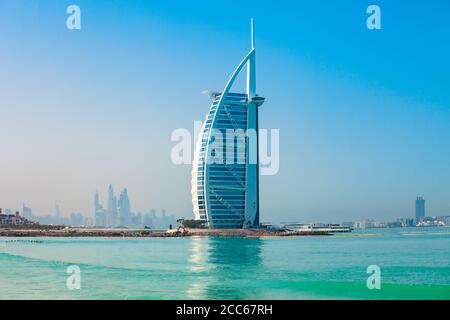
x=225, y=175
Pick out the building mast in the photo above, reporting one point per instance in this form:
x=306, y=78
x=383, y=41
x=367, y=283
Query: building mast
x=251, y=76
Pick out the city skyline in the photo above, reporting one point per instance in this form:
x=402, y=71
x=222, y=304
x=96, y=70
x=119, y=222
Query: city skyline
x=118, y=213
x=418, y=212
x=363, y=115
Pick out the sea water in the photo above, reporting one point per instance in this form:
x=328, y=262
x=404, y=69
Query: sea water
x=414, y=264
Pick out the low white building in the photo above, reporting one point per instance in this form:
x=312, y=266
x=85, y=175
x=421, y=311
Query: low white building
x=12, y=219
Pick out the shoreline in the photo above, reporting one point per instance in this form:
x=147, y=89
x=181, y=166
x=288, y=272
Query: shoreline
x=139, y=233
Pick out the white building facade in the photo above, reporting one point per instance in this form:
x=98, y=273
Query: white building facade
x=225, y=175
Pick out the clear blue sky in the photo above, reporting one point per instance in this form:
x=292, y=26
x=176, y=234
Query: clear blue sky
x=363, y=115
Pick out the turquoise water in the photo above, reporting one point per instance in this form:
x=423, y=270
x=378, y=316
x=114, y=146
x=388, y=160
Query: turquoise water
x=414, y=265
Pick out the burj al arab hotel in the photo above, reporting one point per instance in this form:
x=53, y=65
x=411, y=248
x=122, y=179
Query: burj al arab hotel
x=225, y=175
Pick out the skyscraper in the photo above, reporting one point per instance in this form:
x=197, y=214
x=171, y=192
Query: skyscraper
x=27, y=212
x=124, y=208
x=57, y=211
x=112, y=208
x=97, y=205
x=100, y=213
x=225, y=175
x=420, y=209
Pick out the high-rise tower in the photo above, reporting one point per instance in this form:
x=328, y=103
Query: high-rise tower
x=112, y=214
x=97, y=205
x=420, y=209
x=124, y=208
x=225, y=175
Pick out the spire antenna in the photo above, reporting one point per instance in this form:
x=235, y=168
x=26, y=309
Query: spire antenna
x=251, y=78
x=252, y=26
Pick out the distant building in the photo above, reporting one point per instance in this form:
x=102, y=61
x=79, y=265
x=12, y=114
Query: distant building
x=125, y=216
x=57, y=211
x=99, y=212
x=408, y=222
x=369, y=224
x=112, y=214
x=432, y=222
x=359, y=224
x=97, y=204
x=100, y=218
x=27, y=212
x=13, y=219
x=76, y=219
x=88, y=222
x=149, y=219
x=348, y=224
x=420, y=209
x=395, y=224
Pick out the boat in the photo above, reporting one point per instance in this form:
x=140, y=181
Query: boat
x=330, y=228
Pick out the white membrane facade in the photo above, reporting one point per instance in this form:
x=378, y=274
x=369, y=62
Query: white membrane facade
x=225, y=175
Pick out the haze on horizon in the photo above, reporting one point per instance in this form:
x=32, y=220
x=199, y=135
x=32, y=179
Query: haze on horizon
x=363, y=115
